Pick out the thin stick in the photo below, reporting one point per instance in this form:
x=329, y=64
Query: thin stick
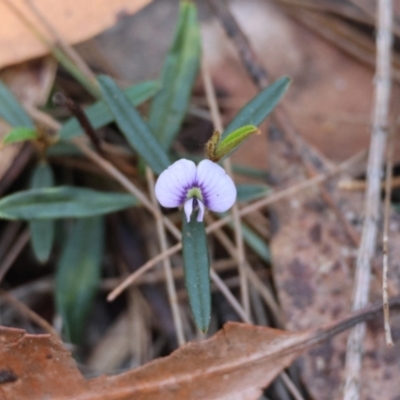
x=27, y=312
x=359, y=185
x=372, y=204
x=279, y=195
x=217, y=122
x=171, y=290
x=251, y=275
x=64, y=46
x=76, y=110
x=14, y=252
x=385, y=238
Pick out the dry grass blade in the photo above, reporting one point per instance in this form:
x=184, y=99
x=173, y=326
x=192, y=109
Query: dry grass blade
x=372, y=204
x=172, y=297
x=217, y=122
x=15, y=250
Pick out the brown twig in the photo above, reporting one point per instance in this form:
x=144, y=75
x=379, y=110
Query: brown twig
x=75, y=109
x=15, y=250
x=28, y=313
x=385, y=236
x=372, y=204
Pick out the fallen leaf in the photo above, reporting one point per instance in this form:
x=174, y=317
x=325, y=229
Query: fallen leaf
x=313, y=265
x=236, y=363
x=74, y=20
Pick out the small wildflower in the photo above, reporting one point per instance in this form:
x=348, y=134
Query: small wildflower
x=206, y=185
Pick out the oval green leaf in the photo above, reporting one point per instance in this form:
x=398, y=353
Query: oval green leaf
x=99, y=114
x=42, y=231
x=257, y=109
x=131, y=124
x=78, y=275
x=62, y=202
x=179, y=72
x=233, y=141
x=197, y=270
x=20, y=134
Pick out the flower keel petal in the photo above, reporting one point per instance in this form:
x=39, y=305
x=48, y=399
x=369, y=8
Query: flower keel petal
x=188, y=208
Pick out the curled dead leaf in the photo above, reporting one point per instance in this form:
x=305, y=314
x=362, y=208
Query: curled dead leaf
x=237, y=362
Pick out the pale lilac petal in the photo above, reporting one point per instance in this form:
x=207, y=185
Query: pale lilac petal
x=188, y=208
x=200, y=215
x=217, y=188
x=173, y=183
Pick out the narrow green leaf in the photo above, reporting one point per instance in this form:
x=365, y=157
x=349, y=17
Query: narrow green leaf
x=99, y=114
x=252, y=239
x=257, y=109
x=42, y=231
x=248, y=192
x=62, y=202
x=233, y=141
x=20, y=134
x=197, y=270
x=10, y=109
x=256, y=243
x=178, y=76
x=78, y=275
x=133, y=126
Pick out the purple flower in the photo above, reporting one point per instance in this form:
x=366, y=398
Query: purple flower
x=207, y=185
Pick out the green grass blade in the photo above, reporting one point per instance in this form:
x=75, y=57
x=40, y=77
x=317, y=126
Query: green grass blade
x=11, y=111
x=99, y=114
x=62, y=202
x=256, y=243
x=78, y=275
x=42, y=231
x=179, y=72
x=133, y=126
x=197, y=270
x=257, y=109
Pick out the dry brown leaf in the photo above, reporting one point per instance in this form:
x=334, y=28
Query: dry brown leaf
x=236, y=363
x=75, y=20
x=314, y=262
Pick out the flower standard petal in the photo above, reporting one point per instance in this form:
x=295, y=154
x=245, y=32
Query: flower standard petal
x=217, y=188
x=173, y=183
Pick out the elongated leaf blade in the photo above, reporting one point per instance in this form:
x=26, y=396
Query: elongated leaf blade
x=257, y=109
x=10, y=109
x=20, y=134
x=197, y=271
x=42, y=231
x=256, y=242
x=99, y=114
x=133, y=126
x=248, y=192
x=78, y=275
x=179, y=72
x=62, y=202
